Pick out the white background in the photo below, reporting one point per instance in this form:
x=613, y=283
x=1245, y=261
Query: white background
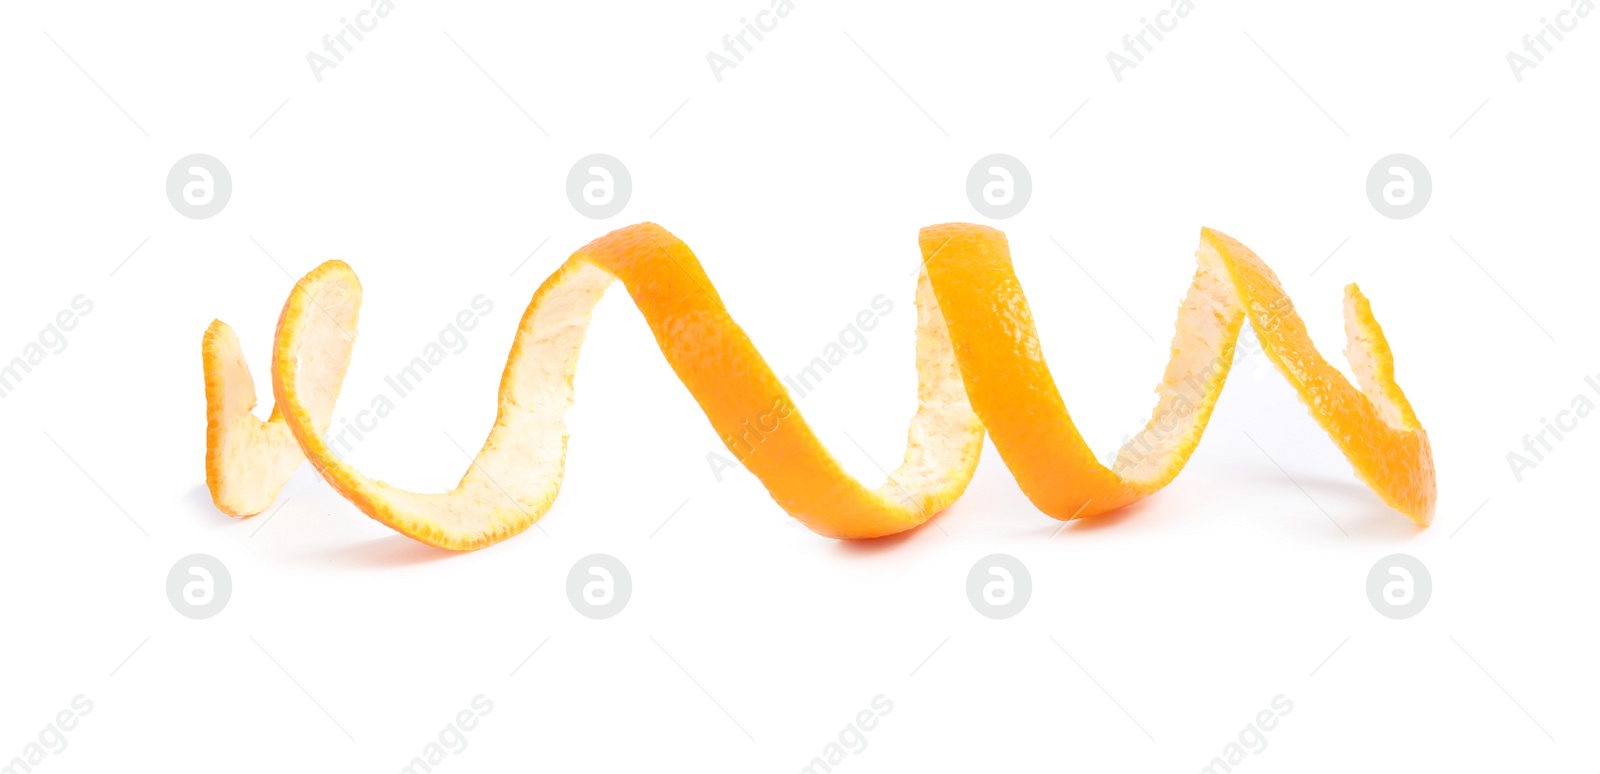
x=800, y=180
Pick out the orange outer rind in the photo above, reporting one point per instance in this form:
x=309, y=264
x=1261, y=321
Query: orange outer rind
x=978, y=368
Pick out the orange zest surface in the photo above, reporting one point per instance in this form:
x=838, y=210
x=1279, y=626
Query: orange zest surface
x=979, y=369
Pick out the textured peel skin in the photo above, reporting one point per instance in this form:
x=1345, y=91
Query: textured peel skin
x=978, y=368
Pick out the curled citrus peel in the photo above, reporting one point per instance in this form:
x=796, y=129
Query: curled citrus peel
x=978, y=367
x=247, y=460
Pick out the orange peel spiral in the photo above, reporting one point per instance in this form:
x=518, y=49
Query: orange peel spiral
x=979, y=369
